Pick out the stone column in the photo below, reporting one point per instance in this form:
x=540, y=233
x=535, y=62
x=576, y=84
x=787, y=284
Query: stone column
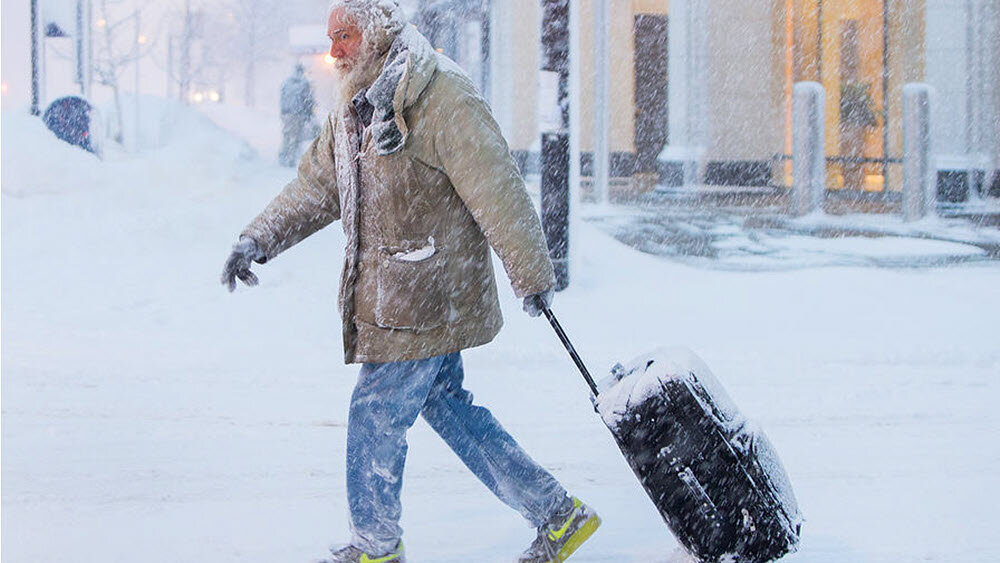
x=808, y=150
x=918, y=174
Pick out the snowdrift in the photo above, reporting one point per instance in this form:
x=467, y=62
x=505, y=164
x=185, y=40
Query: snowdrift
x=174, y=136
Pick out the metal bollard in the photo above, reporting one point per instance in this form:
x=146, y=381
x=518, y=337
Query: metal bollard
x=918, y=176
x=808, y=150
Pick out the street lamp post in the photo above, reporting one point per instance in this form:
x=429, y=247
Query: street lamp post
x=555, y=141
x=84, y=47
x=36, y=39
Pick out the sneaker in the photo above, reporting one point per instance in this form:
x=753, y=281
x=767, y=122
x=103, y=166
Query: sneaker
x=562, y=535
x=351, y=554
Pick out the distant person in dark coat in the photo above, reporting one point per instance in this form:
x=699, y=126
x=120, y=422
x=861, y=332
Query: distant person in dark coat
x=297, y=105
x=71, y=119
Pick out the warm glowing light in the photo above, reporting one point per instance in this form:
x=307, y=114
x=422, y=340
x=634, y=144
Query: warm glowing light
x=142, y=39
x=329, y=59
x=874, y=183
x=439, y=49
x=3, y=88
x=198, y=97
x=214, y=96
x=102, y=22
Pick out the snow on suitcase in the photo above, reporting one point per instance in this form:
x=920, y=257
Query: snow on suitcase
x=713, y=476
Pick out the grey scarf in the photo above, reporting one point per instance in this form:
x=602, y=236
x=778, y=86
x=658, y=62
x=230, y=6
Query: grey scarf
x=374, y=104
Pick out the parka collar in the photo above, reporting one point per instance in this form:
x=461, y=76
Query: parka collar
x=407, y=71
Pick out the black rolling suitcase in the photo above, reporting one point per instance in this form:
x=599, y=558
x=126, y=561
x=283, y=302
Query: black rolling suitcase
x=713, y=476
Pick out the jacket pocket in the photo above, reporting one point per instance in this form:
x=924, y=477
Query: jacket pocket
x=412, y=290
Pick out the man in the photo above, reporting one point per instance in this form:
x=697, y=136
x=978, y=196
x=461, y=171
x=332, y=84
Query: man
x=296, y=112
x=414, y=165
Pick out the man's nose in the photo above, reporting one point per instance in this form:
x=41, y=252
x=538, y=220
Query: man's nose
x=336, y=51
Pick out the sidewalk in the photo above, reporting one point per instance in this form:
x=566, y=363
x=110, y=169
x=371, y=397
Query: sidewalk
x=764, y=238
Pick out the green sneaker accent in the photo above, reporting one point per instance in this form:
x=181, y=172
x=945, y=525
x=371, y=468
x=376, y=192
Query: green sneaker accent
x=555, y=535
x=558, y=539
x=396, y=557
x=351, y=554
x=582, y=534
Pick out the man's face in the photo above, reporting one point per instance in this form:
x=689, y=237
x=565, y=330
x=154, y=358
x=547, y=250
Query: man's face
x=345, y=40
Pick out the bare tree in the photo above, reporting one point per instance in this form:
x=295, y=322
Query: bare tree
x=116, y=47
x=187, y=59
x=257, y=31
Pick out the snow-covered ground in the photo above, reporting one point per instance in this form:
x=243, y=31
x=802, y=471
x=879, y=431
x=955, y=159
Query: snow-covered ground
x=735, y=241
x=150, y=416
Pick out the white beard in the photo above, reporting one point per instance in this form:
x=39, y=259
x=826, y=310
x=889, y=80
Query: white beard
x=357, y=73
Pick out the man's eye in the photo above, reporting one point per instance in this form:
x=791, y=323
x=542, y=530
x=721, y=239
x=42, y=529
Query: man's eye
x=344, y=36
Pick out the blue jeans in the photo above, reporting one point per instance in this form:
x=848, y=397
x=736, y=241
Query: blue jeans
x=386, y=402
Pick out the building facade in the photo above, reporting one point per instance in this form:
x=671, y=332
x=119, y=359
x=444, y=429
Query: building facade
x=701, y=89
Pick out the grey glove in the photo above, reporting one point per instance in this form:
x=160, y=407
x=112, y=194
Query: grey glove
x=238, y=264
x=534, y=304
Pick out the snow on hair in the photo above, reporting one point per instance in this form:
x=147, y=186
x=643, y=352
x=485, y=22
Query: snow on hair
x=380, y=21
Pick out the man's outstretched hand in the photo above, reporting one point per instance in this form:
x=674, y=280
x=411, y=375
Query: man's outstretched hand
x=238, y=264
x=535, y=304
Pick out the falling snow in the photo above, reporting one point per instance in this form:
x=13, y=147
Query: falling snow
x=149, y=414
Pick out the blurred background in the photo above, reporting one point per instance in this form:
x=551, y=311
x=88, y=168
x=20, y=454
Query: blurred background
x=699, y=93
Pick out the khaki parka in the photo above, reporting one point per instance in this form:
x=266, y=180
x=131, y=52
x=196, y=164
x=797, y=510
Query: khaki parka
x=419, y=221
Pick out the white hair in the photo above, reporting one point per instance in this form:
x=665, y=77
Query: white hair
x=380, y=21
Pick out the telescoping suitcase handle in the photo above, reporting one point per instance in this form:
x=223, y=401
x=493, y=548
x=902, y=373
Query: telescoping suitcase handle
x=569, y=348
